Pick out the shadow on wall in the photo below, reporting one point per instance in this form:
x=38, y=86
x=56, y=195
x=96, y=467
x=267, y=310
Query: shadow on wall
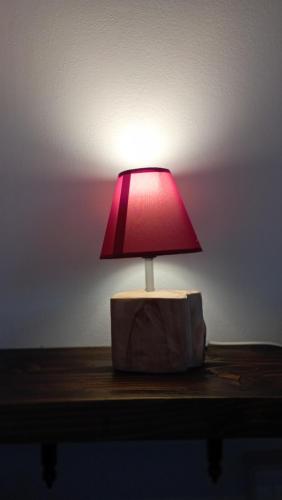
x=237, y=211
x=52, y=225
x=145, y=470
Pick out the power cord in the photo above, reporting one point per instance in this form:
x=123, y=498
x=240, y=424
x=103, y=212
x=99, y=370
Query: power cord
x=248, y=342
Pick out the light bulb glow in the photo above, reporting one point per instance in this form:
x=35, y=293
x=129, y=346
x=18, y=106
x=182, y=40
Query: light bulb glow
x=139, y=143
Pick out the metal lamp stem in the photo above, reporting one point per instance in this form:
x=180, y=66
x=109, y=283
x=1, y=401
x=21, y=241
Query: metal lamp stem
x=149, y=274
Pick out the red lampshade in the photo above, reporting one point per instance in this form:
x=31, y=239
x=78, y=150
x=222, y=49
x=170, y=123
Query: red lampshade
x=148, y=217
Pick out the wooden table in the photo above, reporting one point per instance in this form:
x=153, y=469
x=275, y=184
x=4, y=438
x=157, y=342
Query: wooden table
x=72, y=394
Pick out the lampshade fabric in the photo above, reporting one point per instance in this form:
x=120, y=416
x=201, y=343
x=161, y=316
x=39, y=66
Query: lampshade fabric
x=148, y=217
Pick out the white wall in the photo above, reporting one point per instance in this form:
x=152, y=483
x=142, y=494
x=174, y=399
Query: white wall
x=90, y=88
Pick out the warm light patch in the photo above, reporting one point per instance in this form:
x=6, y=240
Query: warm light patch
x=109, y=86
x=139, y=143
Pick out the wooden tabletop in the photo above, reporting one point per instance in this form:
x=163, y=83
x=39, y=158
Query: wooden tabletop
x=72, y=394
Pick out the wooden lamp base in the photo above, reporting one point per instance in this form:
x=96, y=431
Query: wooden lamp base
x=161, y=331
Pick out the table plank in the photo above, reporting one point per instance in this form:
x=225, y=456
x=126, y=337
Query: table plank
x=72, y=394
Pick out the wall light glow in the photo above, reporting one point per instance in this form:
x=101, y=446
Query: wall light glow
x=116, y=85
x=140, y=143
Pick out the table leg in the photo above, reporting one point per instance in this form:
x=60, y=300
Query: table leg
x=214, y=451
x=48, y=463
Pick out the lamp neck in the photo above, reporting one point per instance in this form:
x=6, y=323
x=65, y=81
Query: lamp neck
x=149, y=274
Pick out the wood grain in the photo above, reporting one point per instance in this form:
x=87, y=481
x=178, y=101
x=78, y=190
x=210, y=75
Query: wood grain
x=73, y=394
x=157, y=332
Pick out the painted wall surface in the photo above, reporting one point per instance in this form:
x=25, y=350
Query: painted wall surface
x=145, y=471
x=91, y=88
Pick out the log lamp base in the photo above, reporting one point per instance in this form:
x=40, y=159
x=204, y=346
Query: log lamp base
x=157, y=332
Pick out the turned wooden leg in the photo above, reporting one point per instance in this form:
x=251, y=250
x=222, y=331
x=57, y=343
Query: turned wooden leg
x=214, y=449
x=48, y=463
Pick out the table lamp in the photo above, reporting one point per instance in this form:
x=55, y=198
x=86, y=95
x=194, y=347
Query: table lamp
x=153, y=331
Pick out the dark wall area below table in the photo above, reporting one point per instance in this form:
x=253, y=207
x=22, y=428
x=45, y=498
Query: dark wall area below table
x=252, y=470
